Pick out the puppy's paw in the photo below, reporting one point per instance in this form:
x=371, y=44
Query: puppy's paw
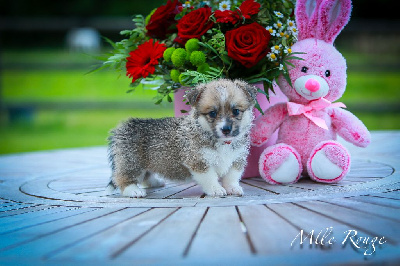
x=235, y=190
x=216, y=191
x=133, y=191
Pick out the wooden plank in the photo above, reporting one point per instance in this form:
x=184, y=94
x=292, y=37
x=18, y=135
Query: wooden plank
x=49, y=243
x=220, y=233
x=15, y=207
x=373, y=225
x=378, y=201
x=388, y=195
x=30, y=234
x=34, y=208
x=165, y=193
x=255, y=190
x=194, y=191
x=35, y=221
x=168, y=240
x=269, y=233
x=311, y=221
x=382, y=211
x=115, y=240
x=33, y=215
x=272, y=189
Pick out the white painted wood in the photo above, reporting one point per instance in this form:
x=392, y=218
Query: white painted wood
x=170, y=239
x=269, y=233
x=220, y=234
x=370, y=223
x=114, y=240
x=28, y=235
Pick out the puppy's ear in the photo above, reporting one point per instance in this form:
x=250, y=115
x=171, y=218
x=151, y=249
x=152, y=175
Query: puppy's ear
x=249, y=90
x=193, y=95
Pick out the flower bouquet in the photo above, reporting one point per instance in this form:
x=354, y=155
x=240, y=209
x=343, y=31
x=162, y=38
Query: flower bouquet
x=185, y=43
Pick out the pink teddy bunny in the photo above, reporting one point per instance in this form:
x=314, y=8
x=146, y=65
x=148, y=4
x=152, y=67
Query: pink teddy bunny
x=309, y=122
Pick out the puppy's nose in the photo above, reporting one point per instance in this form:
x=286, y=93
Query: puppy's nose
x=226, y=129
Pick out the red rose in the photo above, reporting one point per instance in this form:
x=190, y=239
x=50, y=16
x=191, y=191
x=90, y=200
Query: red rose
x=194, y=24
x=142, y=61
x=226, y=16
x=248, y=8
x=162, y=19
x=248, y=44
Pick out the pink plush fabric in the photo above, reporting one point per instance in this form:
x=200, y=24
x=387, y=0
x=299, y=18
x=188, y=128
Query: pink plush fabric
x=273, y=157
x=337, y=154
x=319, y=23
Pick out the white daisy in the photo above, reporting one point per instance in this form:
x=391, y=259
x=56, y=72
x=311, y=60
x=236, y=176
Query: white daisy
x=281, y=67
x=282, y=34
x=287, y=50
x=225, y=5
x=186, y=4
x=272, y=57
x=271, y=30
x=294, y=31
x=291, y=23
x=276, y=48
x=278, y=14
x=278, y=25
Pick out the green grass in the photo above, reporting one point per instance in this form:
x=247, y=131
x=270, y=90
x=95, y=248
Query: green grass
x=69, y=85
x=26, y=77
x=67, y=129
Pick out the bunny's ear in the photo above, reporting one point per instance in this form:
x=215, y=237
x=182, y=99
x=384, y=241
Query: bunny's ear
x=307, y=18
x=333, y=16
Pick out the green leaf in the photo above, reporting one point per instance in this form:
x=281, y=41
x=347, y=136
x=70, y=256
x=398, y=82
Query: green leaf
x=293, y=57
x=257, y=105
x=286, y=76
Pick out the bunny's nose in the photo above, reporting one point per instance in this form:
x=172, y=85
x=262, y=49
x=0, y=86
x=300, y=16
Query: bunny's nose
x=312, y=85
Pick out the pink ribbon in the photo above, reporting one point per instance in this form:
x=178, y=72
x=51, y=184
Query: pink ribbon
x=321, y=103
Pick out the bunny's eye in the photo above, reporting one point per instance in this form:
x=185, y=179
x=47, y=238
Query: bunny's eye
x=327, y=73
x=304, y=69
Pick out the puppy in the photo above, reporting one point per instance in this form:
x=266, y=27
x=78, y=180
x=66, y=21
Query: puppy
x=211, y=142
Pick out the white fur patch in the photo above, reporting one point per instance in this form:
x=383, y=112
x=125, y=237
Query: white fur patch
x=134, y=191
x=223, y=94
x=323, y=168
x=204, y=123
x=209, y=183
x=152, y=181
x=300, y=87
x=222, y=157
x=231, y=182
x=287, y=172
x=247, y=119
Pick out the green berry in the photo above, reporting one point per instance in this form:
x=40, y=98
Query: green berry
x=168, y=53
x=197, y=58
x=178, y=57
x=192, y=45
x=203, y=68
x=175, y=75
x=181, y=79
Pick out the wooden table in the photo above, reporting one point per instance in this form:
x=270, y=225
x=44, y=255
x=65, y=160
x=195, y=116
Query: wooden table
x=54, y=210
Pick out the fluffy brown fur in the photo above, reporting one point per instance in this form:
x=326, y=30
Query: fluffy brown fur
x=211, y=142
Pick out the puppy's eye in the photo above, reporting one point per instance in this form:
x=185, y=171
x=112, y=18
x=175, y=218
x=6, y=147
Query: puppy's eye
x=235, y=112
x=327, y=73
x=212, y=114
x=304, y=69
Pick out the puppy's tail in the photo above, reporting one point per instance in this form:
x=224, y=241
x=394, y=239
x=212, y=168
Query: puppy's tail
x=110, y=188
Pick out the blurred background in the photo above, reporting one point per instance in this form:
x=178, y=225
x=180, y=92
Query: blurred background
x=47, y=101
